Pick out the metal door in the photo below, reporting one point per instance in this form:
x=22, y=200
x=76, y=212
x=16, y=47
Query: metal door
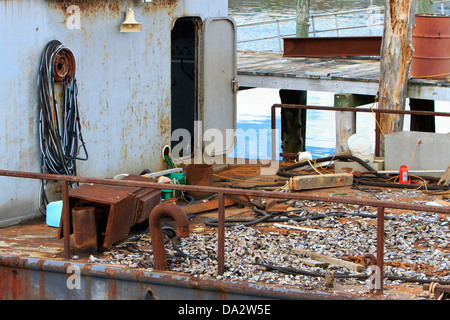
x=219, y=83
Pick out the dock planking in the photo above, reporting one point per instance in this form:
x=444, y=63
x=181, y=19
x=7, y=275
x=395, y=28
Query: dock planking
x=357, y=75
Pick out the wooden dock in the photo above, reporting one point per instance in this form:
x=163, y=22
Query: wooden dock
x=337, y=75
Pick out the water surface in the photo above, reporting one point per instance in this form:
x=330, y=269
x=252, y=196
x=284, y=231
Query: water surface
x=254, y=105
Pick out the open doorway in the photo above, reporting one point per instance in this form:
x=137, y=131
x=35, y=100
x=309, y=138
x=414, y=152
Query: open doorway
x=184, y=60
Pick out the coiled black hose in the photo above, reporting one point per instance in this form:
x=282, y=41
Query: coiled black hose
x=343, y=157
x=59, y=142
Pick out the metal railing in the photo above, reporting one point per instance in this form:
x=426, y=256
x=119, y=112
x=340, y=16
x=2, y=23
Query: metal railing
x=377, y=114
x=370, y=11
x=375, y=18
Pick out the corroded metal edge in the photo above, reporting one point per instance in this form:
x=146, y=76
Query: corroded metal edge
x=25, y=278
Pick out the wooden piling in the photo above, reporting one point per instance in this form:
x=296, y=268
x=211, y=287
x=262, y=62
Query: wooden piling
x=396, y=56
x=302, y=27
x=346, y=121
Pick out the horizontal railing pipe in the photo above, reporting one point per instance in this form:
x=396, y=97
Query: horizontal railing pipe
x=222, y=192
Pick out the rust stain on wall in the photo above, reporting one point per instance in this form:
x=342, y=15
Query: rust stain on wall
x=87, y=7
x=160, y=4
x=115, y=7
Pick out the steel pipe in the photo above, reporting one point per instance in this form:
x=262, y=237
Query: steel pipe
x=380, y=249
x=367, y=110
x=221, y=235
x=377, y=113
x=233, y=191
x=437, y=290
x=154, y=221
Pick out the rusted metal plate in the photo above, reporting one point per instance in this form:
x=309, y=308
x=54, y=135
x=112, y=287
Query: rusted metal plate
x=85, y=229
x=331, y=46
x=99, y=194
x=117, y=207
x=114, y=210
x=146, y=198
x=199, y=175
x=120, y=220
x=206, y=206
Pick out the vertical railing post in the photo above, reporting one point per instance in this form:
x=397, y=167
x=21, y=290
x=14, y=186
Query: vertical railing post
x=66, y=219
x=369, y=20
x=377, y=134
x=279, y=36
x=336, y=21
x=313, y=26
x=380, y=249
x=221, y=235
x=272, y=134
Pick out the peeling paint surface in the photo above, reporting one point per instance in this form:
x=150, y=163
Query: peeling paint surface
x=124, y=85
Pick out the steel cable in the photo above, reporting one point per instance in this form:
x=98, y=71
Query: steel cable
x=58, y=142
x=60, y=136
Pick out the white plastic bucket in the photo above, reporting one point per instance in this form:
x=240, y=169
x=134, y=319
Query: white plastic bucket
x=54, y=210
x=360, y=146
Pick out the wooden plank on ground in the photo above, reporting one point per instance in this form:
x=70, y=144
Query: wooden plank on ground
x=331, y=260
x=279, y=225
x=314, y=263
x=308, y=182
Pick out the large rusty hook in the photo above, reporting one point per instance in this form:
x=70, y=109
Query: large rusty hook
x=156, y=233
x=369, y=259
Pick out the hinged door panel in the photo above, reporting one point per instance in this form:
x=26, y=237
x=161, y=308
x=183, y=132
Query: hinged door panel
x=219, y=82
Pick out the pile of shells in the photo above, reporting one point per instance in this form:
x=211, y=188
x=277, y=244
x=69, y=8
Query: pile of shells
x=417, y=246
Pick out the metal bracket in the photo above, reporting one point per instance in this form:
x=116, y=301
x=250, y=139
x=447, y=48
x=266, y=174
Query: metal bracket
x=234, y=85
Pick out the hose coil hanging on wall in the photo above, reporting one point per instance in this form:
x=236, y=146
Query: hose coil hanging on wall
x=59, y=138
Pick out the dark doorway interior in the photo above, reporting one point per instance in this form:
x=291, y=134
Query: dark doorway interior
x=184, y=109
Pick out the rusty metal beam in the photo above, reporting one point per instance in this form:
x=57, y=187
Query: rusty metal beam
x=205, y=206
x=331, y=46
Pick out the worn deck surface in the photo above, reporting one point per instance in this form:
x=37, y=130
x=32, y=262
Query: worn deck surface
x=36, y=239
x=338, y=75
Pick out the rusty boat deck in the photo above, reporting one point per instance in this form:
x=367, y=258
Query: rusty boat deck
x=33, y=254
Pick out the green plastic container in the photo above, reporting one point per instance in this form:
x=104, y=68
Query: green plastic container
x=167, y=194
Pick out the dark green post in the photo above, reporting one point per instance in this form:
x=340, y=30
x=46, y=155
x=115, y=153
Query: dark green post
x=293, y=121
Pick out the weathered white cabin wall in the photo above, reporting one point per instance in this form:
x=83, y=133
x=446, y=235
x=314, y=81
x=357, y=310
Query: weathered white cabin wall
x=213, y=8
x=124, y=86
